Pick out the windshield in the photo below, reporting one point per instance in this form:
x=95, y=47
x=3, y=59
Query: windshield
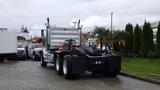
x=37, y=46
x=73, y=42
x=90, y=44
x=20, y=46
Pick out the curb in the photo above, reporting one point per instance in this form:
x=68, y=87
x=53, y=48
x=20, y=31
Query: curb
x=140, y=78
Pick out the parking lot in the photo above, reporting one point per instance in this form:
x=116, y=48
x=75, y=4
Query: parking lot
x=29, y=75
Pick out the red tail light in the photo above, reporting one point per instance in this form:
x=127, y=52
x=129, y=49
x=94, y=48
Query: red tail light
x=91, y=62
x=97, y=61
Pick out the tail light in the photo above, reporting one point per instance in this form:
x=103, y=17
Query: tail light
x=92, y=62
x=96, y=62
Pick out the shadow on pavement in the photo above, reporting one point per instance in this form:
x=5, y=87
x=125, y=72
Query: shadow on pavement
x=9, y=62
x=88, y=75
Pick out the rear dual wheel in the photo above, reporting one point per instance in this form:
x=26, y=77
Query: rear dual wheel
x=67, y=69
x=58, y=64
x=64, y=67
x=1, y=59
x=33, y=57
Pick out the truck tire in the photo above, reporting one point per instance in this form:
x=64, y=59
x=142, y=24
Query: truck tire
x=67, y=68
x=1, y=59
x=113, y=66
x=58, y=64
x=42, y=62
x=34, y=57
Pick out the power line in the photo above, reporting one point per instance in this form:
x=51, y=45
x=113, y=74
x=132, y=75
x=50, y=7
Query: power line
x=25, y=16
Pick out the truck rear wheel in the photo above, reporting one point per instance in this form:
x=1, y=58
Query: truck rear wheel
x=1, y=59
x=34, y=57
x=42, y=62
x=67, y=70
x=59, y=65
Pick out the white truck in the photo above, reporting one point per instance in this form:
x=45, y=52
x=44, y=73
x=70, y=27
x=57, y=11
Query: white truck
x=8, y=44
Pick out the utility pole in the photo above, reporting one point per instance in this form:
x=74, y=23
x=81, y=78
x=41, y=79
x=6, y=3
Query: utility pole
x=80, y=27
x=47, y=33
x=111, y=38
x=111, y=23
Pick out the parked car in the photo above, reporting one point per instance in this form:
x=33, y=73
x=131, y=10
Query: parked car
x=21, y=52
x=34, y=51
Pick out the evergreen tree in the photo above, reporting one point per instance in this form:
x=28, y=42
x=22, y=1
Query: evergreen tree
x=129, y=39
x=147, y=39
x=137, y=39
x=158, y=40
x=150, y=41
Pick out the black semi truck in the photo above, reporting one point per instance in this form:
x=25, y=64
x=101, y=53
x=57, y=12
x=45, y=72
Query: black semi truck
x=62, y=47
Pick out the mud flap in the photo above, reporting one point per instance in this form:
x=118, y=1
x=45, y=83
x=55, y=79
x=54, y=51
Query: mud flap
x=1, y=59
x=114, y=64
x=78, y=64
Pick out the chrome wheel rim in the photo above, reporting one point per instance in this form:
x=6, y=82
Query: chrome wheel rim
x=41, y=60
x=33, y=57
x=65, y=67
x=57, y=65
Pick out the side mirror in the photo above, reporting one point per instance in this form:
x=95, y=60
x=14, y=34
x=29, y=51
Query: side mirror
x=42, y=32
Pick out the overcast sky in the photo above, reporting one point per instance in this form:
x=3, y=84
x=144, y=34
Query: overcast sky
x=33, y=13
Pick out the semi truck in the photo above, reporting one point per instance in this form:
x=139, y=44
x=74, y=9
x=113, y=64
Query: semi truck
x=8, y=44
x=62, y=47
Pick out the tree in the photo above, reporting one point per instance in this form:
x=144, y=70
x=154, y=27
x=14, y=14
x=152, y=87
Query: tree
x=119, y=40
x=147, y=39
x=129, y=39
x=85, y=36
x=150, y=41
x=119, y=35
x=158, y=40
x=101, y=33
x=137, y=39
x=144, y=45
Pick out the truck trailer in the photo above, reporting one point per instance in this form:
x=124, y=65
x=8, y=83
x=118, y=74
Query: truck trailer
x=62, y=47
x=8, y=44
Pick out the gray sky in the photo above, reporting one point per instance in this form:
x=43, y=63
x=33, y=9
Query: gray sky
x=33, y=13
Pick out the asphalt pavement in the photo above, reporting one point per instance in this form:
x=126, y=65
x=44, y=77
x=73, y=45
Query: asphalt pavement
x=29, y=75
